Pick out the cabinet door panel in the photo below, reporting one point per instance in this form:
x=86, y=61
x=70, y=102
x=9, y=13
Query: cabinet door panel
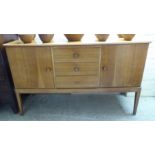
x=31, y=67
x=123, y=65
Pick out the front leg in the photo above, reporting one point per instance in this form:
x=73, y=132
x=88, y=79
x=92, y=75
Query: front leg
x=20, y=104
x=137, y=96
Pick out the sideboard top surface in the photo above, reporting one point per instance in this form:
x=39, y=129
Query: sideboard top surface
x=64, y=42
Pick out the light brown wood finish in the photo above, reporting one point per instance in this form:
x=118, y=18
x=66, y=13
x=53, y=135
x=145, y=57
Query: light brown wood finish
x=77, y=82
x=20, y=104
x=78, y=67
x=137, y=96
x=27, y=38
x=79, y=90
x=76, y=54
x=31, y=67
x=123, y=65
x=74, y=37
x=65, y=43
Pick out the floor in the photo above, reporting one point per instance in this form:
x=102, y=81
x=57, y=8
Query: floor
x=76, y=107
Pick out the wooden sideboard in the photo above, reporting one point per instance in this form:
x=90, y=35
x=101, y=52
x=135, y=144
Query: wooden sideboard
x=77, y=67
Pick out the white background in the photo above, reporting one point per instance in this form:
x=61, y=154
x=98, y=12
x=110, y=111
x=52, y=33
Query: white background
x=77, y=16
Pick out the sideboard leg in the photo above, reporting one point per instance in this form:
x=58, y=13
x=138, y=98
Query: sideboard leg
x=20, y=104
x=137, y=96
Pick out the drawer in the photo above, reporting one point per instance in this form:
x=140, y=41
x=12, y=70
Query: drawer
x=76, y=81
x=76, y=54
x=73, y=68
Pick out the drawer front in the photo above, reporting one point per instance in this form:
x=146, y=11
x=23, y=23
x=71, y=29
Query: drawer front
x=76, y=54
x=72, y=68
x=76, y=82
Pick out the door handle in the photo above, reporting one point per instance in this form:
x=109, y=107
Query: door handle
x=48, y=69
x=104, y=68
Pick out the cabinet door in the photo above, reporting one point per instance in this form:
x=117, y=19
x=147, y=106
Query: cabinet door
x=123, y=65
x=31, y=67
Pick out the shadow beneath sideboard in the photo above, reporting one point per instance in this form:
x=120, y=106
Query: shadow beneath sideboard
x=77, y=107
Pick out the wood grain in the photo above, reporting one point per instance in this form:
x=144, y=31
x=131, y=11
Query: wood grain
x=123, y=65
x=76, y=54
x=31, y=67
x=20, y=104
x=137, y=96
x=77, y=81
x=79, y=90
x=65, y=43
x=116, y=67
x=76, y=68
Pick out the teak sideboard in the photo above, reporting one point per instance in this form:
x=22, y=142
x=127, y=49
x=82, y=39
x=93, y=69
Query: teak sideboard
x=77, y=67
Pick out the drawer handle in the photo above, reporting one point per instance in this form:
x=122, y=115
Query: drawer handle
x=48, y=69
x=76, y=69
x=104, y=68
x=76, y=55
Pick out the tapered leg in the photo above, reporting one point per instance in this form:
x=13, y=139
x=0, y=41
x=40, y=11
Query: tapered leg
x=20, y=104
x=137, y=96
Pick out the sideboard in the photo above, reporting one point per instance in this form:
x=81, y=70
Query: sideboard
x=81, y=67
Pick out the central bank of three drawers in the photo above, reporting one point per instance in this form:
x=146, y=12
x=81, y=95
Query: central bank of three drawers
x=76, y=67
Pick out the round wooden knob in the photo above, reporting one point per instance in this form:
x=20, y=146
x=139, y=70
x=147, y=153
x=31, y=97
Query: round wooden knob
x=104, y=68
x=48, y=69
x=76, y=55
x=76, y=69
